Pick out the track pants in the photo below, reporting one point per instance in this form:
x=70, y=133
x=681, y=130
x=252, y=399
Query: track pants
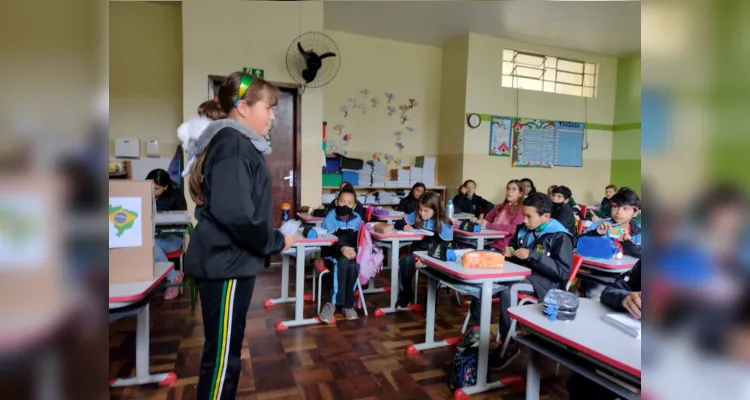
x=224, y=304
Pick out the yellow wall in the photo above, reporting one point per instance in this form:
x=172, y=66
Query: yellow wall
x=220, y=37
x=485, y=94
x=452, y=112
x=145, y=87
x=404, y=69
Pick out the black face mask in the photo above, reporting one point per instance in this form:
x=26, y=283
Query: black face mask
x=343, y=211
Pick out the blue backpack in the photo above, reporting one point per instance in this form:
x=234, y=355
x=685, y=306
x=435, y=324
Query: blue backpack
x=463, y=371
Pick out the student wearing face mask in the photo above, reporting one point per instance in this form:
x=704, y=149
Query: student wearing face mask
x=343, y=222
x=561, y=210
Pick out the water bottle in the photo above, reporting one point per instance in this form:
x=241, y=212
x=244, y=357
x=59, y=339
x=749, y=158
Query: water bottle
x=450, y=209
x=285, y=212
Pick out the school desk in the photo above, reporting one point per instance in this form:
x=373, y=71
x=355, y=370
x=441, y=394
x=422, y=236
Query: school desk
x=390, y=217
x=477, y=239
x=285, y=258
x=610, y=265
x=132, y=299
x=172, y=218
x=462, y=216
x=454, y=275
x=301, y=246
x=393, y=242
x=587, y=345
x=309, y=219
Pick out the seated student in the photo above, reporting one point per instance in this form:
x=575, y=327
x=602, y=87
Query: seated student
x=408, y=204
x=561, y=210
x=528, y=187
x=625, y=206
x=358, y=207
x=168, y=198
x=470, y=202
x=604, y=207
x=623, y=295
x=430, y=215
x=343, y=222
x=550, y=189
x=541, y=244
x=506, y=216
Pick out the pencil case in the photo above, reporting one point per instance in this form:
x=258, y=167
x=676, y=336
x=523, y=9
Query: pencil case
x=483, y=259
x=597, y=246
x=468, y=226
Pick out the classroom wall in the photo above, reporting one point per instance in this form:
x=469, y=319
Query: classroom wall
x=486, y=95
x=626, y=137
x=220, y=37
x=145, y=64
x=452, y=112
x=383, y=66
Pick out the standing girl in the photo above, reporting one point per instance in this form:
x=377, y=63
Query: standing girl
x=235, y=235
x=430, y=216
x=505, y=216
x=168, y=198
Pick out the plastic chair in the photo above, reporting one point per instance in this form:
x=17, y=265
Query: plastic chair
x=368, y=213
x=529, y=299
x=179, y=255
x=583, y=209
x=322, y=270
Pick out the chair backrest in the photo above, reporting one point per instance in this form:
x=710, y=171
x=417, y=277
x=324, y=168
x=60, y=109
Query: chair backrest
x=577, y=262
x=368, y=213
x=361, y=234
x=580, y=226
x=583, y=209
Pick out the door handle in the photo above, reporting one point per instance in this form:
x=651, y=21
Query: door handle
x=290, y=178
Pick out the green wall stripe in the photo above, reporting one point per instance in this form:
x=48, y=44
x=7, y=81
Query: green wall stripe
x=589, y=125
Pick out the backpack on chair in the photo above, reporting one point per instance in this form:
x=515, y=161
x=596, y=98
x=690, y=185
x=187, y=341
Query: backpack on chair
x=369, y=257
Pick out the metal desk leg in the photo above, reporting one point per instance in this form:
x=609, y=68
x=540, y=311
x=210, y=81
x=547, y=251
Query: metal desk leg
x=142, y=376
x=480, y=243
x=395, y=286
x=429, y=332
x=299, y=301
x=533, y=375
x=484, y=350
x=284, y=284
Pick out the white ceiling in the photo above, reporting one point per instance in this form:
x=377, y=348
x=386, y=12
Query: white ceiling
x=601, y=27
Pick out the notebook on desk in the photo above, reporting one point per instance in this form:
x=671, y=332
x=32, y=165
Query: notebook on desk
x=625, y=323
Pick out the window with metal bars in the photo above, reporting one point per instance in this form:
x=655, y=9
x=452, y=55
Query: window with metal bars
x=549, y=74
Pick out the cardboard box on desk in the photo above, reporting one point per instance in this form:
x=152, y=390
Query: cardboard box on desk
x=133, y=264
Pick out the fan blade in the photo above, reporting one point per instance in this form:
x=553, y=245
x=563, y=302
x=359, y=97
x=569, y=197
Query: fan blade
x=304, y=53
x=326, y=55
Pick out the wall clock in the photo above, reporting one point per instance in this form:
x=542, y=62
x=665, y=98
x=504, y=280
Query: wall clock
x=473, y=120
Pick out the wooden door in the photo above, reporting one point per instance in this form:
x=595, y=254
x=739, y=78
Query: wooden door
x=283, y=163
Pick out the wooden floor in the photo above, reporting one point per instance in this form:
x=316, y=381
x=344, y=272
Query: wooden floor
x=362, y=359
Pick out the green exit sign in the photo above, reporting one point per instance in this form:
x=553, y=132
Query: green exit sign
x=254, y=72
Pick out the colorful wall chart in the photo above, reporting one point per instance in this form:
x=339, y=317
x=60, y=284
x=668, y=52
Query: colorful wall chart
x=500, y=136
x=534, y=143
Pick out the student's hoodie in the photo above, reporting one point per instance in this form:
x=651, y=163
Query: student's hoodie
x=358, y=207
x=628, y=282
x=346, y=230
x=473, y=205
x=235, y=235
x=408, y=204
x=173, y=199
x=502, y=219
x=444, y=235
x=629, y=248
x=565, y=215
x=550, y=256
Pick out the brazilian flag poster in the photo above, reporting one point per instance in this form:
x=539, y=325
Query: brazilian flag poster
x=125, y=215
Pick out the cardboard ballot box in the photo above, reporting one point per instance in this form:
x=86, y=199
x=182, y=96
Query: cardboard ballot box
x=131, y=231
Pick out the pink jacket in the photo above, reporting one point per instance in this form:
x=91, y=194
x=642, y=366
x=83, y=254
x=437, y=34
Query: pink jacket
x=500, y=219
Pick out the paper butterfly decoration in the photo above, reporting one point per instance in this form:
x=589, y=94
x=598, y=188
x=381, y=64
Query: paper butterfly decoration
x=400, y=146
x=347, y=137
x=404, y=118
x=397, y=134
x=363, y=107
x=403, y=107
x=365, y=92
x=353, y=101
x=345, y=110
x=411, y=129
x=391, y=110
x=388, y=157
x=339, y=128
x=377, y=156
x=412, y=103
x=389, y=96
x=399, y=161
x=375, y=101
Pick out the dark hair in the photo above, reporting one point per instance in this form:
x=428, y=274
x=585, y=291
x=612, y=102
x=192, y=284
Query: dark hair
x=346, y=186
x=416, y=185
x=347, y=189
x=610, y=186
x=564, y=191
x=432, y=201
x=625, y=197
x=518, y=203
x=533, y=188
x=467, y=182
x=540, y=201
x=219, y=107
x=160, y=177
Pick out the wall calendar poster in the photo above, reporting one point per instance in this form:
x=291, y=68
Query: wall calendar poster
x=534, y=143
x=500, y=136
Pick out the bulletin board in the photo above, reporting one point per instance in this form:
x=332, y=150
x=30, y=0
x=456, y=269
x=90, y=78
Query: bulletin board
x=534, y=143
x=569, y=144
